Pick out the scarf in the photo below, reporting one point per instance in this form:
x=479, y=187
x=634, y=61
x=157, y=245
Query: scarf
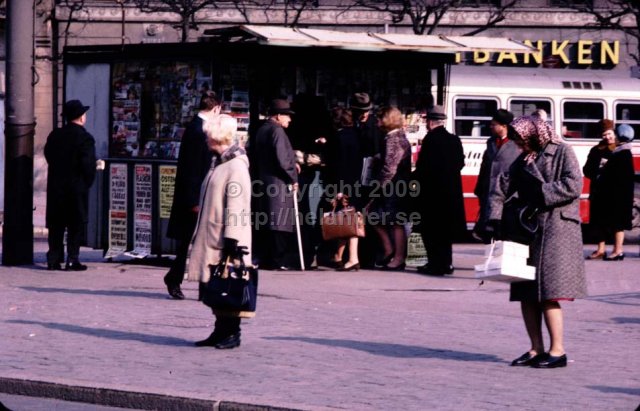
x=536, y=133
x=227, y=155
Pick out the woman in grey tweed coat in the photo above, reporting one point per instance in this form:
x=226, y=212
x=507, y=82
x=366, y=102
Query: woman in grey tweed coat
x=546, y=175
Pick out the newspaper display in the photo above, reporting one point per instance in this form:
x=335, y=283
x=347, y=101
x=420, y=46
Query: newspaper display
x=117, y=210
x=167, y=177
x=142, y=199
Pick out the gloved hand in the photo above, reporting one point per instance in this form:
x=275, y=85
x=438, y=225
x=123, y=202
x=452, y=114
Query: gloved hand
x=493, y=229
x=230, y=247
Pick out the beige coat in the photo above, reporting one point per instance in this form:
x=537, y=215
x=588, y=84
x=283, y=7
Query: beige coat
x=225, y=212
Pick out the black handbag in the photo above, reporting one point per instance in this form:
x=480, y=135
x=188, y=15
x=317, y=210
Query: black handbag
x=232, y=286
x=519, y=221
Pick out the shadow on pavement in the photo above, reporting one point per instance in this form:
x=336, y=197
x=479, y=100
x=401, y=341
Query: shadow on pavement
x=618, y=299
x=615, y=390
x=626, y=320
x=110, y=334
x=395, y=350
x=109, y=293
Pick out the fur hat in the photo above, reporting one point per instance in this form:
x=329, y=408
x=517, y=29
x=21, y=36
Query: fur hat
x=503, y=117
x=625, y=133
x=280, y=106
x=73, y=109
x=360, y=101
x=436, y=113
x=606, y=124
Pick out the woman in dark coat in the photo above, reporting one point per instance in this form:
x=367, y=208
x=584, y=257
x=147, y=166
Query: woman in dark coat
x=388, y=210
x=546, y=176
x=609, y=166
x=343, y=168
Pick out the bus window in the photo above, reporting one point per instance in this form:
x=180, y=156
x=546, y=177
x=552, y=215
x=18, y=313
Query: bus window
x=472, y=116
x=580, y=119
x=628, y=113
x=526, y=107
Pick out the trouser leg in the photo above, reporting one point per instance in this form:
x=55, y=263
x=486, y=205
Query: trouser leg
x=55, y=255
x=226, y=326
x=74, y=238
x=176, y=273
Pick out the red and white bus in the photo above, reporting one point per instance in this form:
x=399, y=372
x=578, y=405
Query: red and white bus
x=574, y=100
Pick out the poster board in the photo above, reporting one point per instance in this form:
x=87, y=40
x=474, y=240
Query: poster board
x=118, y=184
x=166, y=188
x=142, y=206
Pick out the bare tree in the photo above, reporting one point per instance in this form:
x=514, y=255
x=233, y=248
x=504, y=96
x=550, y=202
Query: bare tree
x=291, y=9
x=74, y=7
x=426, y=15
x=186, y=9
x=614, y=16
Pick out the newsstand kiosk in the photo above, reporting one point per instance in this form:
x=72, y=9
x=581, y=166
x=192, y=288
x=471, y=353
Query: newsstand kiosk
x=142, y=96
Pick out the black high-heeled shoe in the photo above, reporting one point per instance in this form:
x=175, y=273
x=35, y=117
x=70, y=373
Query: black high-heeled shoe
x=399, y=267
x=386, y=260
x=617, y=257
x=352, y=267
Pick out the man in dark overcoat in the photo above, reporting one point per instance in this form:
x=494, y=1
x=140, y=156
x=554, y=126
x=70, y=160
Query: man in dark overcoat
x=71, y=154
x=439, y=199
x=194, y=161
x=500, y=153
x=274, y=165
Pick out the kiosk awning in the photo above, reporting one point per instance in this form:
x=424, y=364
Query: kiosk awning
x=365, y=41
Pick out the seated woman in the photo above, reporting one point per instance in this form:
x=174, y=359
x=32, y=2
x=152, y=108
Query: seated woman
x=224, y=222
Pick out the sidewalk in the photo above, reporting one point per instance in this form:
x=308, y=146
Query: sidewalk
x=322, y=340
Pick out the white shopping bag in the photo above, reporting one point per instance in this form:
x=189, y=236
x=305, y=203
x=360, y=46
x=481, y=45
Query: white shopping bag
x=506, y=262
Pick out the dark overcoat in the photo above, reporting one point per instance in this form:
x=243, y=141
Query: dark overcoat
x=194, y=161
x=71, y=154
x=343, y=162
x=494, y=162
x=439, y=199
x=553, y=183
x=611, y=191
x=275, y=169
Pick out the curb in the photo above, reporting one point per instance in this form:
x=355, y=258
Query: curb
x=122, y=399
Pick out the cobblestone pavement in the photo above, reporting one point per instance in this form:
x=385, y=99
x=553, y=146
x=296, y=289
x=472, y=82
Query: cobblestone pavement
x=323, y=340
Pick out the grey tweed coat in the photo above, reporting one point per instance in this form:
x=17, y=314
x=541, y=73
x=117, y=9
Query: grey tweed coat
x=556, y=251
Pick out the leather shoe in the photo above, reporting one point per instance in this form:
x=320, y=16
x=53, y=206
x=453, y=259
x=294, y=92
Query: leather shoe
x=175, y=292
x=352, y=267
x=54, y=266
x=527, y=359
x=551, y=362
x=229, y=342
x=75, y=266
x=210, y=341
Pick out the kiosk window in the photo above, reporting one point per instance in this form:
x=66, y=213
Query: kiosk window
x=628, y=113
x=580, y=119
x=526, y=107
x=472, y=116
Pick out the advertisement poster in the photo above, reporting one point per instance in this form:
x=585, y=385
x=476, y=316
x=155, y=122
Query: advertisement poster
x=117, y=210
x=142, y=211
x=166, y=188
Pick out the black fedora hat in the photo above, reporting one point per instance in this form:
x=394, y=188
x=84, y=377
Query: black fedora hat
x=503, y=117
x=73, y=109
x=436, y=113
x=360, y=101
x=280, y=106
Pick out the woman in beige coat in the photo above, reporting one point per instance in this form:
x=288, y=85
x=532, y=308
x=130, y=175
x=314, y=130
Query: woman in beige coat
x=224, y=222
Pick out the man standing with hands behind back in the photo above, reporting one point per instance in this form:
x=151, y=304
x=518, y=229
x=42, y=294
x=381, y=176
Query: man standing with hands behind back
x=71, y=154
x=194, y=161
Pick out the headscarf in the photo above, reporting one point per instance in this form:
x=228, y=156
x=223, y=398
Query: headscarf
x=536, y=132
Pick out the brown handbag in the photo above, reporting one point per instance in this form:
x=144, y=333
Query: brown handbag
x=342, y=224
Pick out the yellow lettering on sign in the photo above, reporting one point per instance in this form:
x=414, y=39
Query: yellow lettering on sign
x=584, y=52
x=507, y=56
x=613, y=54
x=480, y=57
x=559, y=50
x=458, y=57
x=537, y=57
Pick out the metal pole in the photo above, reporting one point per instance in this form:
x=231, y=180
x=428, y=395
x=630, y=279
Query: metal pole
x=17, y=237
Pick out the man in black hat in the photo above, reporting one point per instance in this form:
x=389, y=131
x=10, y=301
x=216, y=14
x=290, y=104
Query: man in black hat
x=370, y=139
x=274, y=166
x=439, y=199
x=71, y=155
x=500, y=153
x=194, y=162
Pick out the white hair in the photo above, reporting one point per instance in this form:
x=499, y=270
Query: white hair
x=221, y=129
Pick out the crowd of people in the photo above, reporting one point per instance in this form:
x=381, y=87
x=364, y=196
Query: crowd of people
x=231, y=201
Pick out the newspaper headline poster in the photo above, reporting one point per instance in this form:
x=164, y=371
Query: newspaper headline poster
x=167, y=176
x=141, y=211
x=416, y=253
x=117, y=210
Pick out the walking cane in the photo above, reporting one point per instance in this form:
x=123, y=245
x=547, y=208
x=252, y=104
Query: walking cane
x=295, y=209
